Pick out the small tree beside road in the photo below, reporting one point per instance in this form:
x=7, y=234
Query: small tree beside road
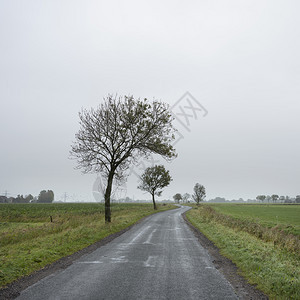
x=153, y=180
x=199, y=193
x=186, y=197
x=177, y=197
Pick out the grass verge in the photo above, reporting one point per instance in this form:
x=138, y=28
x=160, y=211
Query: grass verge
x=274, y=269
x=274, y=234
x=29, y=241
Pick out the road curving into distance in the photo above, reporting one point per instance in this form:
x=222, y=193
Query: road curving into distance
x=159, y=258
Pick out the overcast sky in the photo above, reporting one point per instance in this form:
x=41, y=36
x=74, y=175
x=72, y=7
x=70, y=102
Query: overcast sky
x=239, y=60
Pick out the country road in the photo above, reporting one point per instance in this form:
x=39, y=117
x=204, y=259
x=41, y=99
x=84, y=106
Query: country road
x=160, y=258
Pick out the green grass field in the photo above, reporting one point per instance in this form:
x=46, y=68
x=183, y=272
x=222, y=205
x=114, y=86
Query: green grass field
x=269, y=215
x=29, y=241
x=263, y=244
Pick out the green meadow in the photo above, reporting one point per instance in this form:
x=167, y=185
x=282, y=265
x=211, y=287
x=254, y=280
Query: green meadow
x=270, y=215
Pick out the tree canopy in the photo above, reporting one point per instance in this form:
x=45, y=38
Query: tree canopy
x=261, y=198
x=46, y=196
x=177, y=197
x=118, y=132
x=153, y=180
x=199, y=193
x=275, y=197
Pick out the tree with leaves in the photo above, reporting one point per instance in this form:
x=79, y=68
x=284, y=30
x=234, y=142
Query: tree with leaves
x=261, y=198
x=19, y=199
x=177, y=197
x=153, y=180
x=113, y=136
x=275, y=197
x=46, y=196
x=199, y=193
x=29, y=198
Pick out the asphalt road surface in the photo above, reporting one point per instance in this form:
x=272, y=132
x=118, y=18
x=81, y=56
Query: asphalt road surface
x=160, y=258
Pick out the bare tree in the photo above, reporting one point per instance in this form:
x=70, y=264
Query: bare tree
x=114, y=135
x=186, y=197
x=199, y=193
x=177, y=197
x=153, y=180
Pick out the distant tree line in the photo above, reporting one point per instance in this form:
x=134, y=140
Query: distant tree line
x=263, y=198
x=224, y=200
x=282, y=199
x=43, y=197
x=199, y=195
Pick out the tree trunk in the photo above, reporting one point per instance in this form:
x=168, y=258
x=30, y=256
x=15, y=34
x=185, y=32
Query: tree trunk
x=107, y=198
x=154, y=204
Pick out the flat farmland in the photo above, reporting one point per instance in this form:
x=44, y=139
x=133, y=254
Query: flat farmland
x=29, y=240
x=284, y=216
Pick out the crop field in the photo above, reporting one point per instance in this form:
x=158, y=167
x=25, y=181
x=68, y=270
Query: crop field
x=29, y=240
x=286, y=217
x=262, y=240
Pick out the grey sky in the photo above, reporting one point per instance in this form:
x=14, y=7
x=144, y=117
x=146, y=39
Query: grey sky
x=239, y=59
